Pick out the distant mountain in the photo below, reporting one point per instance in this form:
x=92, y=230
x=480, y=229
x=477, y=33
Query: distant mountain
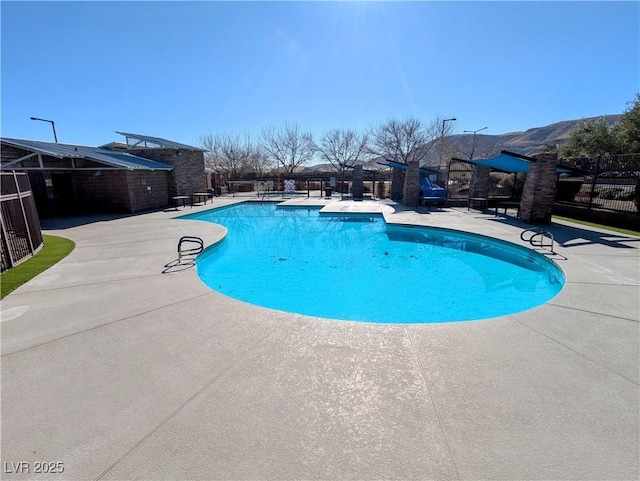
x=529, y=142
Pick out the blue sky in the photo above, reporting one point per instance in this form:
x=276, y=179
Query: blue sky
x=179, y=70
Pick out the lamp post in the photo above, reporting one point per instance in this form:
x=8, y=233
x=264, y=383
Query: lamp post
x=442, y=142
x=53, y=124
x=473, y=145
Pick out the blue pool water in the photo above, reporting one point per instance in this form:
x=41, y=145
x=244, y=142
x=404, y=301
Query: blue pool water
x=359, y=268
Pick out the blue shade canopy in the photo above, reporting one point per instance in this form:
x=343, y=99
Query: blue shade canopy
x=508, y=162
x=401, y=166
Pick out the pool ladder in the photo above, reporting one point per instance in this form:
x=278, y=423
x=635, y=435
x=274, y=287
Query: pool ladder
x=189, y=251
x=537, y=237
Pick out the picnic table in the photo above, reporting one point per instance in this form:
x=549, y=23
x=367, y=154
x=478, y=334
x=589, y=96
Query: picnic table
x=179, y=199
x=200, y=197
x=508, y=205
x=481, y=201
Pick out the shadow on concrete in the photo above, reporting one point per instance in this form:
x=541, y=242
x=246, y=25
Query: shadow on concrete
x=400, y=208
x=178, y=265
x=573, y=236
x=75, y=221
x=54, y=223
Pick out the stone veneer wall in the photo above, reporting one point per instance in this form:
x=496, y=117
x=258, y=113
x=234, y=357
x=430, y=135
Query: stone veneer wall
x=479, y=186
x=357, y=189
x=120, y=191
x=99, y=191
x=539, y=192
x=187, y=175
x=397, y=184
x=411, y=191
x=148, y=190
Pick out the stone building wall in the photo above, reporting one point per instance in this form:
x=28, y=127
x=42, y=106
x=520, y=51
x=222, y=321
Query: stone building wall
x=538, y=194
x=357, y=189
x=148, y=190
x=188, y=174
x=480, y=178
x=114, y=191
x=98, y=191
x=411, y=191
x=397, y=184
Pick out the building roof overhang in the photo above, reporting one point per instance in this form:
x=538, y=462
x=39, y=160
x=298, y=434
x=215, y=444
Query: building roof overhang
x=138, y=141
x=103, y=157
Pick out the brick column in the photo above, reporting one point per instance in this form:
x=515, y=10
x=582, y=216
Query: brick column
x=479, y=186
x=411, y=191
x=187, y=175
x=397, y=184
x=539, y=192
x=358, y=182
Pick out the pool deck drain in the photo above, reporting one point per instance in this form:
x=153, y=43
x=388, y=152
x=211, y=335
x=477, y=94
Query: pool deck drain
x=121, y=365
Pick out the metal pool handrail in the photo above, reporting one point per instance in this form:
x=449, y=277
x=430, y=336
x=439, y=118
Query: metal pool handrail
x=192, y=251
x=541, y=233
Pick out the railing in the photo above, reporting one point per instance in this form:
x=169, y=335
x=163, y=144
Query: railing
x=21, y=235
x=609, y=183
x=184, y=251
x=537, y=237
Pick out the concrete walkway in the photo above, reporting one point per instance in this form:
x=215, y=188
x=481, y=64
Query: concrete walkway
x=120, y=366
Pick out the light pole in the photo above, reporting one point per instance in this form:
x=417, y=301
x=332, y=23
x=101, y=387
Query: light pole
x=473, y=145
x=53, y=124
x=442, y=143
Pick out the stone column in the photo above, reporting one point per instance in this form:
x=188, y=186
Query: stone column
x=397, y=184
x=187, y=175
x=539, y=192
x=479, y=186
x=411, y=191
x=358, y=182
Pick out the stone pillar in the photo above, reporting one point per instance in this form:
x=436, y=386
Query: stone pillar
x=411, y=191
x=479, y=186
x=358, y=182
x=539, y=192
x=187, y=175
x=397, y=184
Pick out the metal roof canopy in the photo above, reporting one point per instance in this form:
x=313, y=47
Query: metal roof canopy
x=402, y=166
x=509, y=162
x=110, y=158
x=142, y=142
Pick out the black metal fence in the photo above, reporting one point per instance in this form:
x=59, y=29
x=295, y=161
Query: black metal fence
x=21, y=235
x=608, y=183
x=501, y=184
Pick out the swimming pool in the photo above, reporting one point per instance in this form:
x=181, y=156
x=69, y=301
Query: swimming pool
x=358, y=268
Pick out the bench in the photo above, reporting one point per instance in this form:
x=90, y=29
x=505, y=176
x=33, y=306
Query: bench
x=508, y=205
x=429, y=201
x=177, y=199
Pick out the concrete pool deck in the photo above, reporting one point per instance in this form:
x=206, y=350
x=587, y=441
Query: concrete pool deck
x=120, y=364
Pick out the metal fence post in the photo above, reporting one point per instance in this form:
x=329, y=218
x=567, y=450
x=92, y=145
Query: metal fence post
x=593, y=181
x=24, y=214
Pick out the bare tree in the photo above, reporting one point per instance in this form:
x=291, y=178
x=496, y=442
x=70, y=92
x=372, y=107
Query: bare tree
x=342, y=148
x=228, y=154
x=403, y=140
x=477, y=146
x=260, y=161
x=287, y=146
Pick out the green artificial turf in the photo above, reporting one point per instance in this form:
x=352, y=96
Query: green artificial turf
x=599, y=226
x=54, y=250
